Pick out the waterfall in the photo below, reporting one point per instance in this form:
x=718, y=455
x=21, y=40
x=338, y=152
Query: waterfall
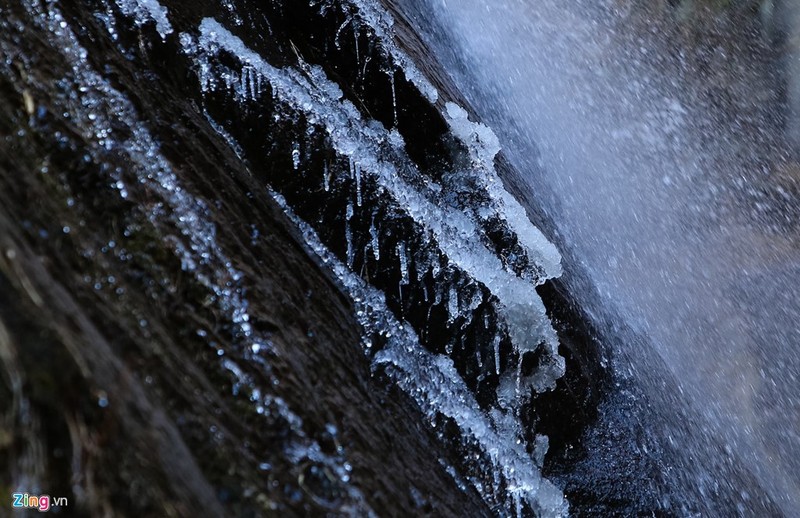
x=663, y=175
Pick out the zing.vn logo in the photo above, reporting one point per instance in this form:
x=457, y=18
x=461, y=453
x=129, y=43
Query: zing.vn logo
x=41, y=503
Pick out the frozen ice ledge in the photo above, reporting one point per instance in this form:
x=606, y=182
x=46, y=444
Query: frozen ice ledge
x=396, y=192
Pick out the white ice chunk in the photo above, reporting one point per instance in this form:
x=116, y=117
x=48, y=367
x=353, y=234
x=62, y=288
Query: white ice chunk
x=143, y=11
x=483, y=146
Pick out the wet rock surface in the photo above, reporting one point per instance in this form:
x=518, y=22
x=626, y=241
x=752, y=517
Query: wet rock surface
x=129, y=384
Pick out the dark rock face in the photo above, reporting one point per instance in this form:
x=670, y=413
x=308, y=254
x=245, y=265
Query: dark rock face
x=133, y=383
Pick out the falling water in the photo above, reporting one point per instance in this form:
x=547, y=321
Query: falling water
x=671, y=196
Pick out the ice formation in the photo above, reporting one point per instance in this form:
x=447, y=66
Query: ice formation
x=449, y=261
x=377, y=158
x=439, y=390
x=455, y=232
x=144, y=11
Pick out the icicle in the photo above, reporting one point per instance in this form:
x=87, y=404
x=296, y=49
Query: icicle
x=452, y=304
x=355, y=36
x=420, y=265
x=251, y=87
x=241, y=89
x=339, y=33
x=401, y=253
x=326, y=181
x=249, y=90
x=497, y=354
x=394, y=98
x=228, y=80
x=296, y=155
x=206, y=77
x=257, y=84
x=349, y=236
x=358, y=184
x=376, y=246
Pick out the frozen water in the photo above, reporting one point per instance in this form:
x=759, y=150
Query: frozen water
x=436, y=386
x=381, y=22
x=483, y=146
x=366, y=144
x=144, y=11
